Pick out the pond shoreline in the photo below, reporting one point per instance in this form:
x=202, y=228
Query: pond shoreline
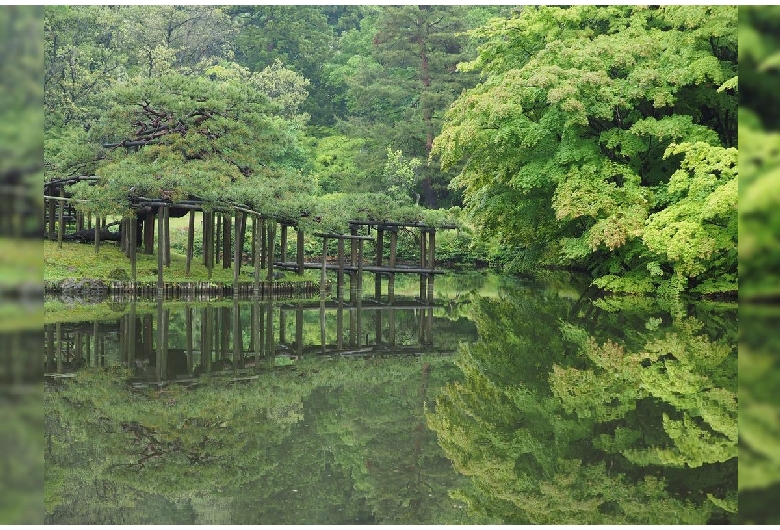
x=85, y=286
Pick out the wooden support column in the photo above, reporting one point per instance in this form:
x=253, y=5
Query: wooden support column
x=236, y=252
x=167, y=240
x=227, y=251
x=271, y=238
x=324, y=265
x=263, y=243
x=218, y=236
x=340, y=274
x=423, y=256
x=190, y=242
x=97, y=234
x=353, y=230
x=380, y=244
x=149, y=233
x=61, y=219
x=431, y=262
x=160, y=248
x=283, y=257
x=256, y=252
x=360, y=268
x=208, y=243
x=391, y=280
x=133, y=248
x=299, y=251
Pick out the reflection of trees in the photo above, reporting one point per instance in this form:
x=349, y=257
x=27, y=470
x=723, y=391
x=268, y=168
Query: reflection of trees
x=348, y=435
x=555, y=427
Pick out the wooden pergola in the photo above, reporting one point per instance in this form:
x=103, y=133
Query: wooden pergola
x=224, y=231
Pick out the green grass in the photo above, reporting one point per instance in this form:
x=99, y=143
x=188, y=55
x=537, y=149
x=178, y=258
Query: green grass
x=79, y=261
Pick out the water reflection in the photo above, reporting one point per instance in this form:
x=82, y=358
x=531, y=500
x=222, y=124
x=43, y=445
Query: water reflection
x=178, y=343
x=497, y=403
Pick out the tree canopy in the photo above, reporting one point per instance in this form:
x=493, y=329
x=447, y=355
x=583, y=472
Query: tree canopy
x=604, y=138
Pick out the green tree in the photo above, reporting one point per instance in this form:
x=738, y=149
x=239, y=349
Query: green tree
x=570, y=144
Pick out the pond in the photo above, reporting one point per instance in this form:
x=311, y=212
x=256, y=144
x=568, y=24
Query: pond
x=496, y=401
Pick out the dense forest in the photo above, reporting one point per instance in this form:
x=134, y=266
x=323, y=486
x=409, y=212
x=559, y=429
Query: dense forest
x=600, y=139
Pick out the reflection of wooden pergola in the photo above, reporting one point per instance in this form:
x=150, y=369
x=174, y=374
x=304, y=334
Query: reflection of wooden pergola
x=224, y=231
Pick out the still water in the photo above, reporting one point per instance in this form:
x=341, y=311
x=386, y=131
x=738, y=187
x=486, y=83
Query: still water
x=498, y=401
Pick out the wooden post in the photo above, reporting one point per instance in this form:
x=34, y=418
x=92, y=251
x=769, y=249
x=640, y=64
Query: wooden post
x=353, y=230
x=324, y=265
x=226, y=250
x=360, y=267
x=166, y=241
x=283, y=257
x=299, y=254
x=380, y=244
x=423, y=237
x=271, y=236
x=208, y=242
x=256, y=252
x=340, y=274
x=149, y=233
x=431, y=262
x=160, y=248
x=190, y=241
x=236, y=253
x=391, y=280
x=133, y=244
x=97, y=234
x=218, y=236
x=61, y=220
x=263, y=244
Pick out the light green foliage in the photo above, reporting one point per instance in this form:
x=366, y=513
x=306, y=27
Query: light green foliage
x=563, y=143
x=398, y=175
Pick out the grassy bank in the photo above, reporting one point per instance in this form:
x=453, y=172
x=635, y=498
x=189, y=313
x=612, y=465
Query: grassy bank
x=79, y=261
